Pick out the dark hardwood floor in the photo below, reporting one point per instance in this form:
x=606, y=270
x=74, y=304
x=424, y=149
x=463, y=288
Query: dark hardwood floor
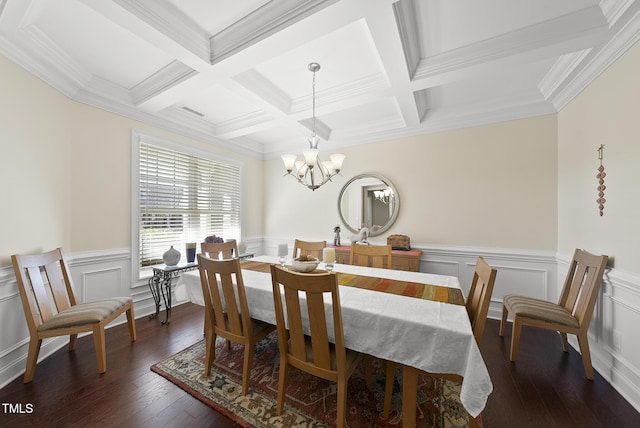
x=545, y=388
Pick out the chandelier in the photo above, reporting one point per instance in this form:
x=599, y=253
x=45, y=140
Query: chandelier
x=385, y=196
x=313, y=172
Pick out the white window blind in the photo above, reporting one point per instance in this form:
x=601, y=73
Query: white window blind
x=184, y=198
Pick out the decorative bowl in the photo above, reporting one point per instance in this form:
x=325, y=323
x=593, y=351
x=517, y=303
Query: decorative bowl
x=305, y=265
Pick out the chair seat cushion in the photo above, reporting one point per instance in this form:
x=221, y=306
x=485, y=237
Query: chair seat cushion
x=85, y=313
x=529, y=307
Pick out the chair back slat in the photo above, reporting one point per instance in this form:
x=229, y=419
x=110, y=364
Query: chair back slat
x=43, y=304
x=575, y=287
x=479, y=297
x=294, y=321
x=306, y=248
x=224, y=295
x=312, y=288
x=223, y=250
x=45, y=285
x=378, y=256
x=319, y=332
x=58, y=285
x=582, y=285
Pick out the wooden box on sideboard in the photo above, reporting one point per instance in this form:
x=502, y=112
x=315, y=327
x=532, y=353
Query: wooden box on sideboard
x=401, y=260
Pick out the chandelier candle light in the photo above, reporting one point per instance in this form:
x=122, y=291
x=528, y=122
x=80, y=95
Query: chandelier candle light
x=312, y=172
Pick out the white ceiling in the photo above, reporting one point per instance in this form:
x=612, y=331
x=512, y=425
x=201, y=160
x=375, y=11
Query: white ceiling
x=234, y=72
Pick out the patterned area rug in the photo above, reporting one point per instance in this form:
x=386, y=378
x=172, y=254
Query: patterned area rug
x=310, y=401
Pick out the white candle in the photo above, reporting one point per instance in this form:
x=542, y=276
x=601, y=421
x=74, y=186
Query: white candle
x=329, y=255
x=283, y=250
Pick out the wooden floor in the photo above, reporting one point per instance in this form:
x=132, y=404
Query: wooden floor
x=545, y=388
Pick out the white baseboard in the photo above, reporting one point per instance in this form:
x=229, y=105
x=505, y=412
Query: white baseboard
x=535, y=273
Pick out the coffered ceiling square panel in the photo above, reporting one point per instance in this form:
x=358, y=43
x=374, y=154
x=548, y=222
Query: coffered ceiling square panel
x=446, y=25
x=234, y=73
x=213, y=16
x=347, y=56
x=103, y=49
x=279, y=140
x=352, y=124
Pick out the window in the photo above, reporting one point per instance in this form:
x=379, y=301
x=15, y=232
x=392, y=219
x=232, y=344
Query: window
x=180, y=197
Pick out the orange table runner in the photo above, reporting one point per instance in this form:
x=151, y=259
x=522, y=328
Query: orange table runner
x=437, y=293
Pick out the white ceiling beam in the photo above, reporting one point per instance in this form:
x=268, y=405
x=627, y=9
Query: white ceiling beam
x=384, y=31
x=295, y=35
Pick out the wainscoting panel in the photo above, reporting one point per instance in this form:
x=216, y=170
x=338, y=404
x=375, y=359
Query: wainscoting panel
x=14, y=341
x=439, y=266
x=613, y=334
x=615, y=349
x=98, y=283
x=525, y=273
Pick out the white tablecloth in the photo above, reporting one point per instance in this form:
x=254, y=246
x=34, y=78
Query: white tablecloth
x=431, y=336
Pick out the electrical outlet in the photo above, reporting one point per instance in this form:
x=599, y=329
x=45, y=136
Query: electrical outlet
x=617, y=340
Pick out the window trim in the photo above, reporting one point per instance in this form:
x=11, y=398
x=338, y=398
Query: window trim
x=137, y=137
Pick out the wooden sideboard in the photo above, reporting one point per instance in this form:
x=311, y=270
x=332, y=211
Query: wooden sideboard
x=401, y=260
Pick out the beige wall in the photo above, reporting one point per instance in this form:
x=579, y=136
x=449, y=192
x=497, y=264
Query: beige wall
x=607, y=112
x=66, y=167
x=35, y=159
x=101, y=189
x=488, y=186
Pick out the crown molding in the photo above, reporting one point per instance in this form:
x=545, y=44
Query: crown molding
x=169, y=121
x=261, y=23
x=626, y=32
x=244, y=124
x=3, y=3
x=165, y=78
x=169, y=21
x=345, y=93
x=573, y=27
x=561, y=72
x=263, y=88
x=405, y=14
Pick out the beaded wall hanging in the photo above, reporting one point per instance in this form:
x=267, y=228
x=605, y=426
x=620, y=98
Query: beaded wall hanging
x=600, y=176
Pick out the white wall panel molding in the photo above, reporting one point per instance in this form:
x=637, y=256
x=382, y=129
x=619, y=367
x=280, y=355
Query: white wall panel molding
x=99, y=283
x=8, y=284
x=93, y=257
x=625, y=377
x=525, y=272
x=614, y=347
x=613, y=343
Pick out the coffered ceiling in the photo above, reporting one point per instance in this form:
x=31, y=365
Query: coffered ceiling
x=234, y=72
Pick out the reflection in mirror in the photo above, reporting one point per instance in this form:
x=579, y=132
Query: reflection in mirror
x=368, y=200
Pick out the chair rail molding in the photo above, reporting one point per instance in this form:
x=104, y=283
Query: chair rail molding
x=614, y=347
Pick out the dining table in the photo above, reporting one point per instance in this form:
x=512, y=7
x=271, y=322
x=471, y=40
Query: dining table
x=415, y=319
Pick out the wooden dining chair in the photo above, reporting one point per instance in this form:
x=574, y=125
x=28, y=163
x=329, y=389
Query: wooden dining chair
x=313, y=353
x=477, y=305
x=224, y=250
x=313, y=249
x=217, y=251
x=571, y=315
x=228, y=313
x=379, y=256
x=52, y=309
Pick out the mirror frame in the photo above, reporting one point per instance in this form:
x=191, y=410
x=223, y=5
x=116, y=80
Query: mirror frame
x=387, y=182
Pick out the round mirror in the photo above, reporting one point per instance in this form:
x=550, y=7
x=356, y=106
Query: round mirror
x=368, y=200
